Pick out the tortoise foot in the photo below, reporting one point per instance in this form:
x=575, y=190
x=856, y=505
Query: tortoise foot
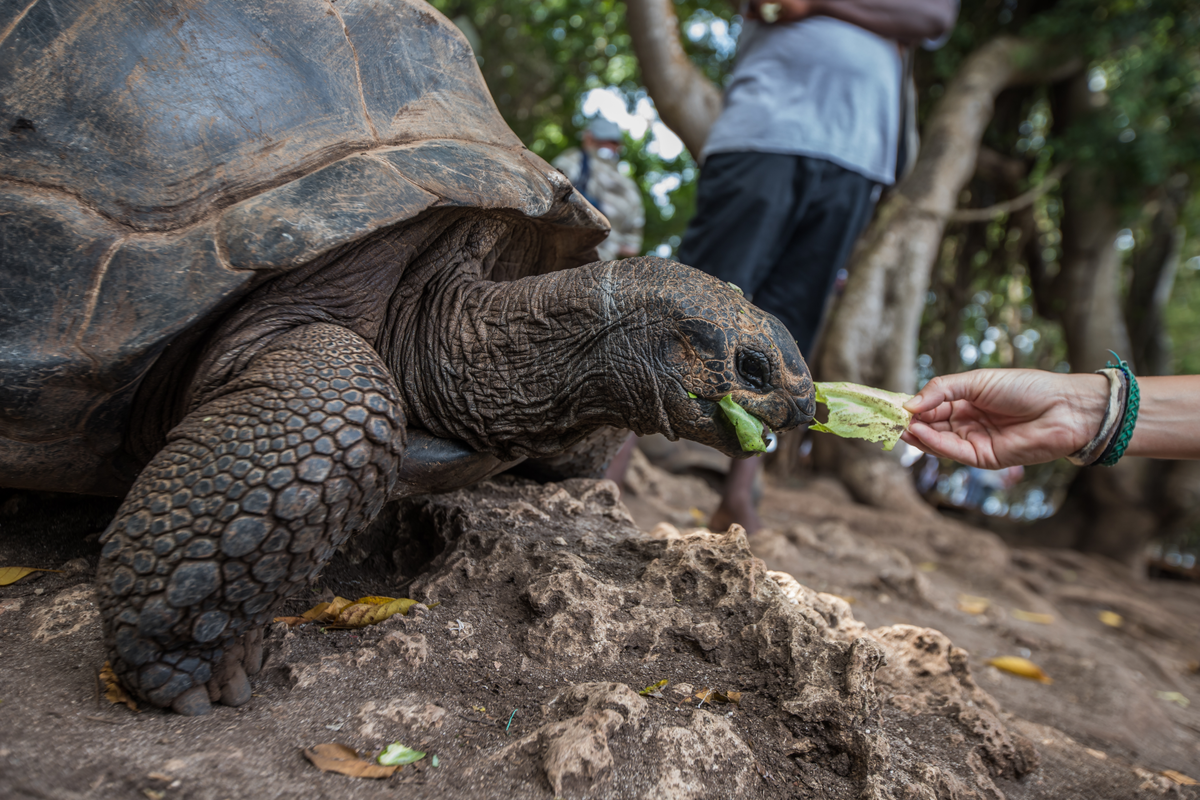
x=230, y=684
x=190, y=681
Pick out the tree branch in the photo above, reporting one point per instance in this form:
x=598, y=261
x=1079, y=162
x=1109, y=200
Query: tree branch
x=687, y=101
x=1009, y=206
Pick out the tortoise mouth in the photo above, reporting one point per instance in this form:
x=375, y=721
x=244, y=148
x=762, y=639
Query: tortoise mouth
x=756, y=416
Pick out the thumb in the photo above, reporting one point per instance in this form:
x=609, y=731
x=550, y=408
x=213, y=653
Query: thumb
x=942, y=389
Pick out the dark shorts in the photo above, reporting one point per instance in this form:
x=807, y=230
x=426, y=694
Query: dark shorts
x=779, y=227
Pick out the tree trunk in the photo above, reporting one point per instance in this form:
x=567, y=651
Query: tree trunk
x=1154, y=266
x=872, y=336
x=1107, y=510
x=687, y=101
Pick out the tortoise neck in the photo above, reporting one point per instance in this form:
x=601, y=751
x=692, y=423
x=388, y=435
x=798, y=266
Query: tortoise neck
x=529, y=367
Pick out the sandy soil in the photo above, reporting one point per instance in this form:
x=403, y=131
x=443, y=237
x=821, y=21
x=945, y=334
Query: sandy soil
x=861, y=674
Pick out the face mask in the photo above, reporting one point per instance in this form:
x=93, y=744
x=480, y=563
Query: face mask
x=606, y=153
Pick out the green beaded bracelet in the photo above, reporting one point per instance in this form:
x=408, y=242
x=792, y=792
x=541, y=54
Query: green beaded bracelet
x=1116, y=448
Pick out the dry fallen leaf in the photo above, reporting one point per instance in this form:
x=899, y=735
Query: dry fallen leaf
x=342, y=613
x=344, y=760
x=1021, y=667
x=10, y=575
x=1111, y=619
x=112, y=688
x=715, y=696
x=1033, y=616
x=971, y=604
x=654, y=689
x=1180, y=778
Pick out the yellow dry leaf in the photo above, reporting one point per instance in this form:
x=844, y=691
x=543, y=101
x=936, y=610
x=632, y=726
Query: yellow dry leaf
x=10, y=575
x=345, y=761
x=972, y=604
x=1111, y=619
x=1180, y=778
x=112, y=688
x=654, y=689
x=1021, y=667
x=1033, y=616
x=342, y=613
x=715, y=696
x=928, y=566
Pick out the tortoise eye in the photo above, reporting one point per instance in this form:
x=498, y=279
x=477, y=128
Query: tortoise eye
x=754, y=369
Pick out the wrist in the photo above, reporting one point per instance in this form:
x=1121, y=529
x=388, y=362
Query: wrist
x=1087, y=401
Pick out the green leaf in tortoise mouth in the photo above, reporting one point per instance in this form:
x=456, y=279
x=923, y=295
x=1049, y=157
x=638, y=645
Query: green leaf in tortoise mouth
x=861, y=412
x=750, y=429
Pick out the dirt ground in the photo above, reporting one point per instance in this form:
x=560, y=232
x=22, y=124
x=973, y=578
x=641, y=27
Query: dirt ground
x=857, y=638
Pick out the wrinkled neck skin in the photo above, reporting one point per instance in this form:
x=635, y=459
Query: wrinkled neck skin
x=524, y=368
x=512, y=368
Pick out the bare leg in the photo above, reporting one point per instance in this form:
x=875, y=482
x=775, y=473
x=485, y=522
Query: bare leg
x=737, y=504
x=243, y=506
x=620, y=463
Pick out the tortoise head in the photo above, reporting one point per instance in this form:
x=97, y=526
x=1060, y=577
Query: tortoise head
x=715, y=344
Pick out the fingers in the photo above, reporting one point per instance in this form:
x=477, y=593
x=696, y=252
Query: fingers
x=945, y=444
x=944, y=389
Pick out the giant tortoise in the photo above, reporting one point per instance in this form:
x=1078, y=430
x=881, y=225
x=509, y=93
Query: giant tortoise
x=267, y=265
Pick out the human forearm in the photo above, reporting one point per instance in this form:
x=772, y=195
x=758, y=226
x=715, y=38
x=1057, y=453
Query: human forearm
x=902, y=20
x=1168, y=423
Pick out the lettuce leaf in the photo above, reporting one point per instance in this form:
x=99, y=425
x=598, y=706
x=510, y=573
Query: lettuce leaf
x=861, y=412
x=750, y=429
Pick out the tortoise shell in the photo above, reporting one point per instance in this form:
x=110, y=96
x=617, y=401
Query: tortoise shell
x=159, y=160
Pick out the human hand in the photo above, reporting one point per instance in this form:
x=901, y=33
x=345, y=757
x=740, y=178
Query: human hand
x=996, y=418
x=780, y=10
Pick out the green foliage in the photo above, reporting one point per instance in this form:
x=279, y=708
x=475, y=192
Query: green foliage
x=541, y=57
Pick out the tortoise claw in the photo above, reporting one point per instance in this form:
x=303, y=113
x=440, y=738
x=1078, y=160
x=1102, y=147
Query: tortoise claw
x=192, y=703
x=252, y=643
x=236, y=690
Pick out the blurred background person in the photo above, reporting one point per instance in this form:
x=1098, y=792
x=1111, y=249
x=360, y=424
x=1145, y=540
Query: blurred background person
x=593, y=169
x=809, y=133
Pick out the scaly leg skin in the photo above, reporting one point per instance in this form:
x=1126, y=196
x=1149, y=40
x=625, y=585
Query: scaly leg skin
x=244, y=505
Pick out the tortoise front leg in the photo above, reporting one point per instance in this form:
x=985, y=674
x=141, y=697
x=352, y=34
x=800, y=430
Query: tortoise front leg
x=245, y=504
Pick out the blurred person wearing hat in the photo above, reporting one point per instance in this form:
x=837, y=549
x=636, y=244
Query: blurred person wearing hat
x=809, y=134
x=593, y=170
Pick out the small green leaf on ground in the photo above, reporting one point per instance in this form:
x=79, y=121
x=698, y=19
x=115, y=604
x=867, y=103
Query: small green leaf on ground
x=1178, y=698
x=862, y=412
x=433, y=760
x=10, y=575
x=397, y=755
x=345, y=761
x=654, y=689
x=750, y=429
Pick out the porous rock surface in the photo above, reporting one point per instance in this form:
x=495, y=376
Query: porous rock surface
x=827, y=707
x=544, y=611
